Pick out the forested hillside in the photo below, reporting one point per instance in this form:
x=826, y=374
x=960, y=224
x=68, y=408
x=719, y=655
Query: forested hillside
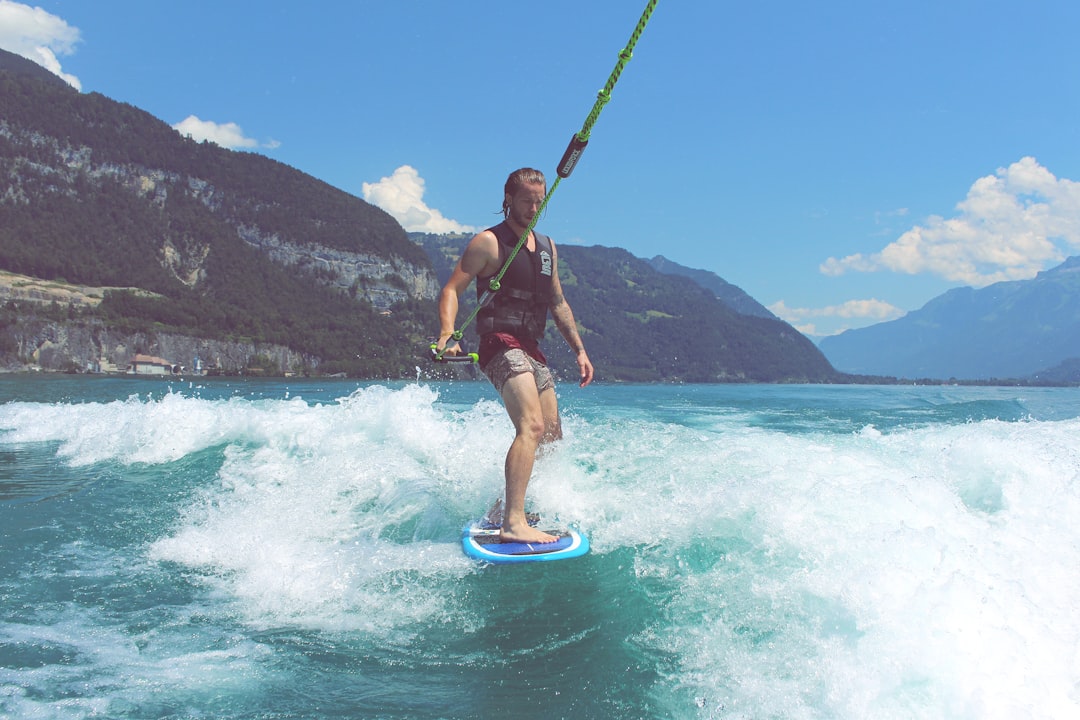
x=640, y=324
x=732, y=296
x=101, y=193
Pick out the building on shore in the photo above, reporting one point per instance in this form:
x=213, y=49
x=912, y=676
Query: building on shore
x=151, y=365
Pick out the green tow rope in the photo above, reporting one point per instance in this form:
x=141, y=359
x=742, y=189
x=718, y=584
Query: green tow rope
x=566, y=166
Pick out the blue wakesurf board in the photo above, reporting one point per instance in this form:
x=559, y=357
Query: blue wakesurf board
x=480, y=540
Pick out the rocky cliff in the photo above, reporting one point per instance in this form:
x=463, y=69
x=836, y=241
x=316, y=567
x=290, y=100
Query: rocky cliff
x=377, y=278
x=381, y=281
x=91, y=346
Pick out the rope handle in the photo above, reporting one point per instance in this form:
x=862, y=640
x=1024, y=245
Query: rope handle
x=439, y=357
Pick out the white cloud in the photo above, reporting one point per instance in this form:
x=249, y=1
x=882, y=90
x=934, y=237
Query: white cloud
x=39, y=36
x=872, y=309
x=227, y=135
x=402, y=195
x=1010, y=226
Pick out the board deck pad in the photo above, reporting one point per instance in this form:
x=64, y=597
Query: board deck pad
x=480, y=540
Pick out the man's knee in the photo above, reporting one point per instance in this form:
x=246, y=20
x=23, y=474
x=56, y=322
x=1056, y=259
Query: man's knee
x=534, y=428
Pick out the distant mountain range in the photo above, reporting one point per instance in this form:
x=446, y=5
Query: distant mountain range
x=1018, y=329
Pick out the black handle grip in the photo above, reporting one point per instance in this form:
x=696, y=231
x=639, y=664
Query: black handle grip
x=436, y=356
x=571, y=156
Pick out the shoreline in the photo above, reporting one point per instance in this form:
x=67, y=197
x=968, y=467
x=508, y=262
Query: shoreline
x=856, y=380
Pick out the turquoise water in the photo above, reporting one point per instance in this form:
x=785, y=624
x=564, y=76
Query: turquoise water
x=289, y=549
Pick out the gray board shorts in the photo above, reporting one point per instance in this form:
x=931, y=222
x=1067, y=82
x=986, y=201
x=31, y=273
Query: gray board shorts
x=514, y=361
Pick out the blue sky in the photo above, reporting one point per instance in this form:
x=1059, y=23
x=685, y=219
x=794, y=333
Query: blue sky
x=842, y=162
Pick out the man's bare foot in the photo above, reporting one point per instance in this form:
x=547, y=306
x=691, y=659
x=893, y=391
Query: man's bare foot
x=525, y=534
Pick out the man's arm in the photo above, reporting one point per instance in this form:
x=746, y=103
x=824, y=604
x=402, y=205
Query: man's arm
x=564, y=321
x=481, y=251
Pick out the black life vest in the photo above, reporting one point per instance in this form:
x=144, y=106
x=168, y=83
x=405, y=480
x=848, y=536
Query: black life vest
x=520, y=306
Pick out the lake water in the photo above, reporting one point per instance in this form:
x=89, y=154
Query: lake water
x=290, y=549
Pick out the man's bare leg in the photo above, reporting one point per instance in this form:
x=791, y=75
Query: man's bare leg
x=526, y=411
x=552, y=431
x=549, y=407
x=494, y=516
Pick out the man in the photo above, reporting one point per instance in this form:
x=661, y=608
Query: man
x=510, y=327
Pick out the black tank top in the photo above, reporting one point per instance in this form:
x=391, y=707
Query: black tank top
x=521, y=304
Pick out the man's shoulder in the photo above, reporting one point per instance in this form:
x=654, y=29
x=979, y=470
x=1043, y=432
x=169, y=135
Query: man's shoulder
x=485, y=240
x=482, y=254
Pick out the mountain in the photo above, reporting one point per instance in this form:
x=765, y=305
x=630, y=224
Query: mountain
x=119, y=237
x=208, y=242
x=732, y=296
x=18, y=65
x=1065, y=373
x=639, y=324
x=1007, y=330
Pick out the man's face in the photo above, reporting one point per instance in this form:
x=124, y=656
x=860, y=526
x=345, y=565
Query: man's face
x=526, y=202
